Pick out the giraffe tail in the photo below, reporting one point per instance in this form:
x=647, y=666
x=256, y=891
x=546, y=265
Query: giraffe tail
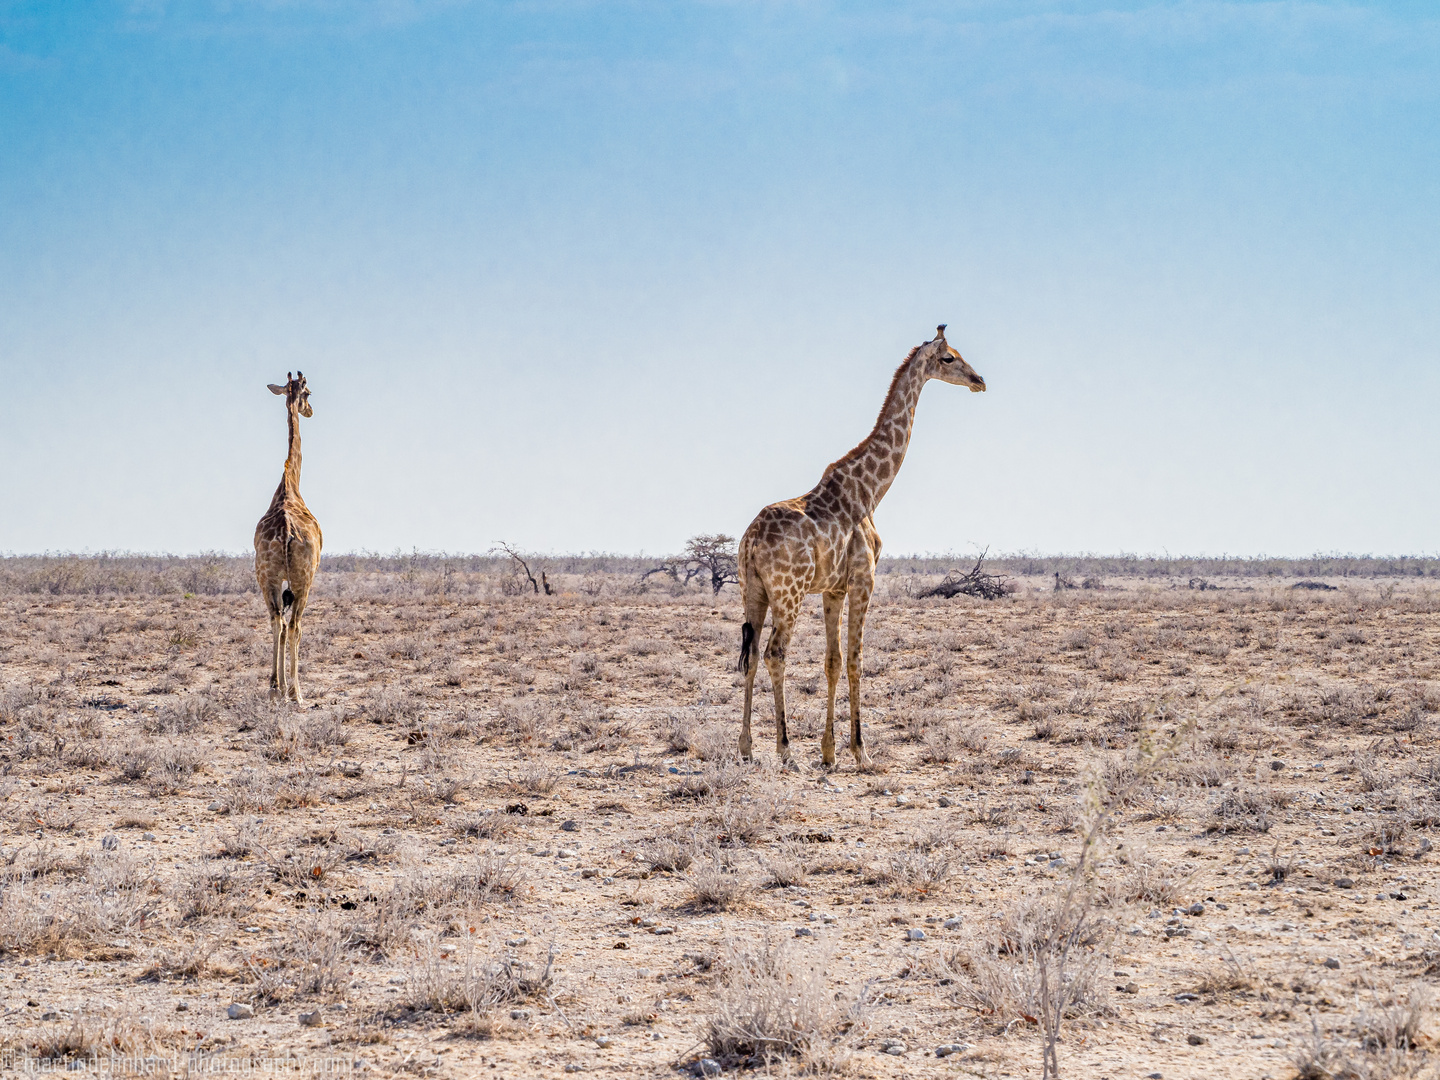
x=747, y=641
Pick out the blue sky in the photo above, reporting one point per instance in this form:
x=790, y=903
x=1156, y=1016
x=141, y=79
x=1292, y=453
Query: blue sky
x=599, y=276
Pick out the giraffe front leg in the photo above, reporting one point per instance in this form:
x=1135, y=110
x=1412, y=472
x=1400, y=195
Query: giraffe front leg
x=859, y=603
x=833, y=603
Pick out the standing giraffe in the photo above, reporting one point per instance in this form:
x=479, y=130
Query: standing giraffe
x=825, y=542
x=287, y=550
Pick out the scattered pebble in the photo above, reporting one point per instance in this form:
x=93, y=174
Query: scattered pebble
x=1130, y=988
x=663, y=930
x=1195, y=909
x=1344, y=883
x=516, y=942
x=312, y=1019
x=148, y=836
x=570, y=826
x=952, y=924
x=603, y=1041
x=893, y=1046
x=216, y=805
x=902, y=800
x=916, y=934
x=943, y=802
x=1332, y=963
x=946, y=1049
x=110, y=842
x=709, y=1067
x=520, y=1014
x=1195, y=1039
x=804, y=931
x=240, y=1011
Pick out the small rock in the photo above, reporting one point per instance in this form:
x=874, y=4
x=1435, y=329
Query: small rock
x=804, y=931
x=952, y=924
x=109, y=843
x=603, y=1041
x=312, y=1019
x=1344, y=883
x=1243, y=851
x=709, y=1067
x=1187, y=996
x=916, y=934
x=570, y=826
x=946, y=1049
x=944, y=802
x=216, y=805
x=516, y=942
x=565, y=853
x=1057, y=864
x=351, y=769
x=520, y=1014
x=1332, y=963
x=1195, y=1039
x=896, y=1048
x=50, y=1016
x=148, y=836
x=1130, y=988
x=1195, y=909
x=663, y=930
x=649, y=921
x=1276, y=766
x=589, y=872
x=902, y=800
x=240, y=1011
x=1154, y=1076
x=182, y=1006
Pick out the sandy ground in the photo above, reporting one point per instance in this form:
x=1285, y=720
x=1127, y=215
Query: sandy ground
x=507, y=836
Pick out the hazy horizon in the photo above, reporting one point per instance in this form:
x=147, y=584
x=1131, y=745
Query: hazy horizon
x=606, y=276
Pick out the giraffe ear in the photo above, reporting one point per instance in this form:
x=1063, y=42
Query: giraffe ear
x=275, y=389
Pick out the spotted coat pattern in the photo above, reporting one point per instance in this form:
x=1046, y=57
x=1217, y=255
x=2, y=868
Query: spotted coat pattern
x=287, y=551
x=825, y=542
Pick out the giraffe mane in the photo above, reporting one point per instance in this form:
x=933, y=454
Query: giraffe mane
x=894, y=382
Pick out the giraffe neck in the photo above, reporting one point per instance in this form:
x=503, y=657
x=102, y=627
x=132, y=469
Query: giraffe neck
x=290, y=482
x=862, y=477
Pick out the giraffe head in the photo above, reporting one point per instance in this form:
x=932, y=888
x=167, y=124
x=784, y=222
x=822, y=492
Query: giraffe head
x=942, y=362
x=296, y=392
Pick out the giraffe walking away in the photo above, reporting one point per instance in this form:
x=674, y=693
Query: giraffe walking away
x=287, y=550
x=825, y=542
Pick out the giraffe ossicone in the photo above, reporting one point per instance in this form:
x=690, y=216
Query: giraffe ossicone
x=287, y=550
x=825, y=542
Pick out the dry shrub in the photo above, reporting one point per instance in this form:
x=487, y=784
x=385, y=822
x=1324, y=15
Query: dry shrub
x=531, y=779
x=671, y=853
x=1141, y=879
x=998, y=971
x=476, y=985
x=772, y=1003
x=1242, y=811
x=71, y=918
x=715, y=886
x=93, y=1036
x=310, y=961
x=748, y=818
x=947, y=743
x=787, y=866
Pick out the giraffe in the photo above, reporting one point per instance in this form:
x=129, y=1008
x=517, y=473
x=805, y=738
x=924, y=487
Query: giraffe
x=287, y=550
x=825, y=542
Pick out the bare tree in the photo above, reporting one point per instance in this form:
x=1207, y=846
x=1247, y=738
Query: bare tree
x=709, y=555
x=544, y=582
x=715, y=554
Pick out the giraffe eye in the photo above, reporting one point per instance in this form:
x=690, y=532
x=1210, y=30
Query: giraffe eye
x=945, y=359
